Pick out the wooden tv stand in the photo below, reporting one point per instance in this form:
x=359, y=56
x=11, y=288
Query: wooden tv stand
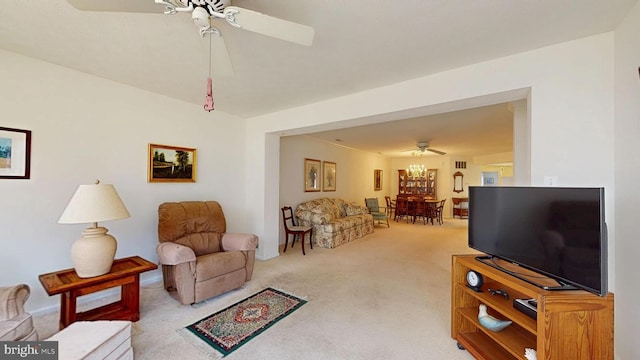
x=571, y=324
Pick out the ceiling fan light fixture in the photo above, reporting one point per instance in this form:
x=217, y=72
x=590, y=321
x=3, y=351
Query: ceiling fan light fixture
x=422, y=145
x=215, y=5
x=200, y=17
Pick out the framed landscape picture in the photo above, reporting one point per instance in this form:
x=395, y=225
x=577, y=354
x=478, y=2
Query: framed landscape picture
x=171, y=164
x=328, y=176
x=311, y=175
x=15, y=153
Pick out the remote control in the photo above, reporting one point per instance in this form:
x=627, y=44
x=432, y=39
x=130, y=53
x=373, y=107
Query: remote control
x=527, y=306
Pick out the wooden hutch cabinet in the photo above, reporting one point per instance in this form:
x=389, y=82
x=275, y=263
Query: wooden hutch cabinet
x=425, y=186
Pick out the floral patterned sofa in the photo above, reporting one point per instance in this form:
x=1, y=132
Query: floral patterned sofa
x=334, y=221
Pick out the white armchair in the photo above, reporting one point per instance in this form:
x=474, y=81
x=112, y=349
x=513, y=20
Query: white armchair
x=15, y=323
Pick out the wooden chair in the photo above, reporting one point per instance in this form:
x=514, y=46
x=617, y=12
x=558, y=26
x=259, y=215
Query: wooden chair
x=391, y=206
x=439, y=211
x=420, y=209
x=402, y=208
x=290, y=228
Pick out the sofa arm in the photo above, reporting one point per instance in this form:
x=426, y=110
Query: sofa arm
x=241, y=242
x=12, y=299
x=171, y=253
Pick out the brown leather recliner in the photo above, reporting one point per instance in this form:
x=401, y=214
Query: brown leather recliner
x=199, y=258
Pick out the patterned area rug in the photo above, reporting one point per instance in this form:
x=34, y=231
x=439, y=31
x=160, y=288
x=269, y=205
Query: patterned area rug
x=230, y=328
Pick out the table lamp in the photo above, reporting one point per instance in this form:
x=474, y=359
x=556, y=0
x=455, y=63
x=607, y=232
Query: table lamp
x=93, y=253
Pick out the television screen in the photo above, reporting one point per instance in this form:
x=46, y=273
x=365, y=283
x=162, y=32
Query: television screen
x=559, y=232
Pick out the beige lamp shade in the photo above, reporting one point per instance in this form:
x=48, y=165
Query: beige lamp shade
x=93, y=253
x=94, y=203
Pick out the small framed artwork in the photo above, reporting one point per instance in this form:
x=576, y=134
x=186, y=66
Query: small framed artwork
x=377, y=180
x=328, y=176
x=171, y=164
x=15, y=153
x=311, y=175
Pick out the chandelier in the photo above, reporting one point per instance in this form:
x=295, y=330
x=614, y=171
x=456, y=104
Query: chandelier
x=416, y=171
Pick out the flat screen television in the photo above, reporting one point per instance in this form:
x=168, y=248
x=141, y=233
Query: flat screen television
x=559, y=232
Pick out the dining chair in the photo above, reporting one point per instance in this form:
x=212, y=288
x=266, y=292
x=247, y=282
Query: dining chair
x=402, y=208
x=290, y=228
x=439, y=211
x=374, y=210
x=391, y=206
x=430, y=210
x=420, y=209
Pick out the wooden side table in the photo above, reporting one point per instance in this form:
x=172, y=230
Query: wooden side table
x=124, y=272
x=458, y=209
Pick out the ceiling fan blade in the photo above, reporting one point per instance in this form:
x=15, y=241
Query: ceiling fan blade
x=220, y=57
x=437, y=151
x=140, y=6
x=271, y=26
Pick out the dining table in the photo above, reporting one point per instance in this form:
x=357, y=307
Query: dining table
x=423, y=207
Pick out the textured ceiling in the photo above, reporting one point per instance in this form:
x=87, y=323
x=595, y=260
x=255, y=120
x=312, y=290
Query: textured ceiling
x=358, y=44
x=479, y=131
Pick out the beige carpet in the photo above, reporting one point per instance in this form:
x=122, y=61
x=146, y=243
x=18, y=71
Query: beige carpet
x=385, y=296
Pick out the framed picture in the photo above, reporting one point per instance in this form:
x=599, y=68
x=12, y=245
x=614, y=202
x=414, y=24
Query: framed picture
x=377, y=180
x=311, y=175
x=171, y=164
x=15, y=153
x=328, y=176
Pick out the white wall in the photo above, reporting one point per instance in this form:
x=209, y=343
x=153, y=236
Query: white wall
x=570, y=113
x=571, y=89
x=472, y=177
x=571, y=117
x=354, y=169
x=627, y=196
x=86, y=128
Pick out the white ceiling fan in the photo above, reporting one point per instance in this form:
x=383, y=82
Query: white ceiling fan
x=423, y=146
x=204, y=13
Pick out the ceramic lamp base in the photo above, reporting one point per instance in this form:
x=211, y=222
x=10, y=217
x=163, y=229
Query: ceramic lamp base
x=93, y=253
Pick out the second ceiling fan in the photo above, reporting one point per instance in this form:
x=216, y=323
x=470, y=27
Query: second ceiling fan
x=423, y=146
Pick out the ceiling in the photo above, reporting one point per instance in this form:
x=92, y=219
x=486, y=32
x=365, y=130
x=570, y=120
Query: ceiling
x=473, y=132
x=358, y=45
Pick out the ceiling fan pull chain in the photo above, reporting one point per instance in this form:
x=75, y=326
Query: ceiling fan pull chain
x=208, y=100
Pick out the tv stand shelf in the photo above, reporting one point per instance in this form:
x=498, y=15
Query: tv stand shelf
x=571, y=324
